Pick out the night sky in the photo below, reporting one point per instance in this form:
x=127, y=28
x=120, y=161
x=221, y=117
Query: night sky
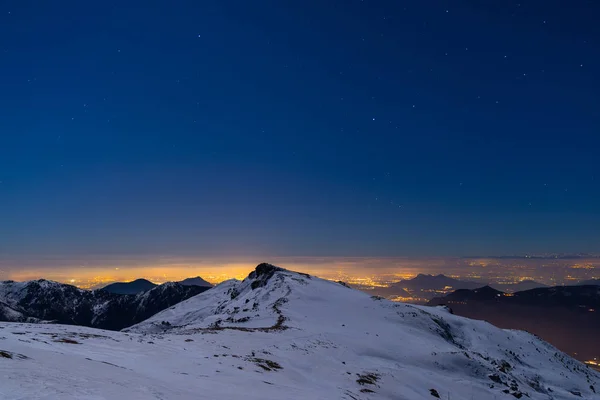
x=299, y=128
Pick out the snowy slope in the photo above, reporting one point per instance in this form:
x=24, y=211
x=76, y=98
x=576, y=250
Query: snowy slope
x=284, y=335
x=8, y=313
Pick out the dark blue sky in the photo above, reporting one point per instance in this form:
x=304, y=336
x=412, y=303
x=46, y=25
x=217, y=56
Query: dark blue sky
x=372, y=128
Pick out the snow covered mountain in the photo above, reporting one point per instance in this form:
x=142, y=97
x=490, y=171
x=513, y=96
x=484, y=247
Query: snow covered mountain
x=66, y=304
x=8, y=313
x=285, y=335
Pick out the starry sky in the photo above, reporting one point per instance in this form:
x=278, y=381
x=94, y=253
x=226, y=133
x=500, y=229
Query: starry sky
x=299, y=128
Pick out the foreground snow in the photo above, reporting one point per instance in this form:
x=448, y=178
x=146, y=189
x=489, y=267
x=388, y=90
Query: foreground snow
x=283, y=335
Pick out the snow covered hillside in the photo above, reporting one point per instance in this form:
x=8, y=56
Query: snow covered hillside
x=284, y=335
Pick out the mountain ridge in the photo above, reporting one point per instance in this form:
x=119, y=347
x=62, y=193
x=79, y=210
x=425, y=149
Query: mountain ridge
x=196, y=281
x=44, y=300
x=133, y=287
x=141, y=285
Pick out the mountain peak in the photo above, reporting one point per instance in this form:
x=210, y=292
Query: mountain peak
x=133, y=287
x=262, y=273
x=196, y=281
x=264, y=269
x=488, y=289
x=140, y=280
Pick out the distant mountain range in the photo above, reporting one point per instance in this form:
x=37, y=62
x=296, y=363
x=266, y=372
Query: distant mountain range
x=142, y=285
x=518, y=286
x=585, y=297
x=566, y=316
x=434, y=282
x=48, y=301
x=425, y=286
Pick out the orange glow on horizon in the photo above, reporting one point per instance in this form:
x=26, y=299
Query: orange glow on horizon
x=352, y=271
x=362, y=272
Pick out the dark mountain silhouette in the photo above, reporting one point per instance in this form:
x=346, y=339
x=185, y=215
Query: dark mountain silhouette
x=517, y=287
x=586, y=297
x=424, y=287
x=435, y=282
x=196, y=281
x=133, y=287
x=593, y=282
x=485, y=293
x=66, y=304
x=142, y=285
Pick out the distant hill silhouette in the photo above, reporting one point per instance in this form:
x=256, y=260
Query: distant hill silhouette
x=133, y=287
x=435, y=282
x=593, y=282
x=517, y=287
x=425, y=286
x=142, y=285
x=587, y=297
x=196, y=281
x=429, y=286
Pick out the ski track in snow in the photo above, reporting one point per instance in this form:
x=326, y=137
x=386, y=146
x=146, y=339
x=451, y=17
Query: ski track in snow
x=284, y=335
